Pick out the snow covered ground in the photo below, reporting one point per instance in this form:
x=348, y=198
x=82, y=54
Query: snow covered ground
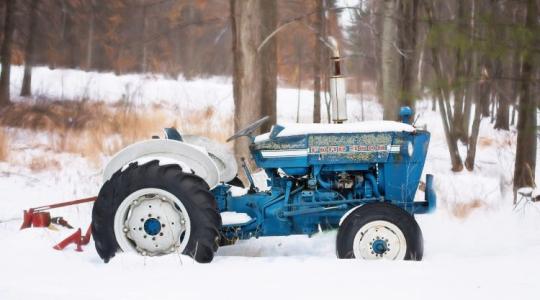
x=476, y=246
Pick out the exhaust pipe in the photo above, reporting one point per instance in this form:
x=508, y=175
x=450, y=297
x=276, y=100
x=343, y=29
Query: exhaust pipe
x=338, y=87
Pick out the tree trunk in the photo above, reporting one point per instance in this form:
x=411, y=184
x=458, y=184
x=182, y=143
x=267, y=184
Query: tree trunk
x=5, y=53
x=443, y=98
x=317, y=60
x=248, y=67
x=407, y=36
x=299, y=85
x=443, y=93
x=90, y=41
x=483, y=91
x=471, y=86
x=459, y=84
x=70, y=41
x=143, y=50
x=26, y=89
x=502, y=118
x=268, y=59
x=524, y=170
x=516, y=73
x=390, y=61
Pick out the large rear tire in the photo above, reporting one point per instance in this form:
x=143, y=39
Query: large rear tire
x=155, y=210
x=380, y=231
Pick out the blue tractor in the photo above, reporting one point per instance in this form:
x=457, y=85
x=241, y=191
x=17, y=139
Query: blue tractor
x=166, y=195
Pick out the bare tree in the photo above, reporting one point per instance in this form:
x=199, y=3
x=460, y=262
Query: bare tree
x=443, y=93
x=249, y=66
x=319, y=25
x=390, y=60
x=408, y=44
x=5, y=53
x=90, y=38
x=26, y=89
x=268, y=60
x=524, y=169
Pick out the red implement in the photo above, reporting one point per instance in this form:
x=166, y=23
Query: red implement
x=40, y=217
x=76, y=238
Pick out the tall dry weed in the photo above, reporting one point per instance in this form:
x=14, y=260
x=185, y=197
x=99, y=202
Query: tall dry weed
x=4, y=145
x=93, y=129
x=463, y=210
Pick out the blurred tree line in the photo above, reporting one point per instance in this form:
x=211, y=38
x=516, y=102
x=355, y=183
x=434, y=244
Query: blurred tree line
x=476, y=59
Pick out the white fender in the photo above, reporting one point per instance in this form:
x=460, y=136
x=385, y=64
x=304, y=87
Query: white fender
x=222, y=157
x=196, y=158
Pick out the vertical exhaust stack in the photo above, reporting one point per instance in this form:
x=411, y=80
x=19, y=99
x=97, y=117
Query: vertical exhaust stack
x=338, y=87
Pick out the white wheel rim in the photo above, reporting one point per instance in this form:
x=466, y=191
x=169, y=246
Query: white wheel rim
x=151, y=222
x=379, y=240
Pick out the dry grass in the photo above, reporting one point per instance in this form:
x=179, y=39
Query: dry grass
x=95, y=128
x=4, y=145
x=485, y=142
x=38, y=164
x=463, y=210
x=205, y=123
x=504, y=141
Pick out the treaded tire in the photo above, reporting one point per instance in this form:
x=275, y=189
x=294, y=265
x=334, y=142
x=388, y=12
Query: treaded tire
x=380, y=211
x=192, y=191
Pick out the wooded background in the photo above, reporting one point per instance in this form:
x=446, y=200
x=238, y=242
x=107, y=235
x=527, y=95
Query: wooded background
x=474, y=59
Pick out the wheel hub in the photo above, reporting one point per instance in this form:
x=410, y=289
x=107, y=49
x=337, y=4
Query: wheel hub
x=153, y=222
x=379, y=246
x=152, y=226
x=379, y=239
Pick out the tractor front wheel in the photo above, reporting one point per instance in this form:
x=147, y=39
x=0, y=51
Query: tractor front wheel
x=155, y=210
x=380, y=231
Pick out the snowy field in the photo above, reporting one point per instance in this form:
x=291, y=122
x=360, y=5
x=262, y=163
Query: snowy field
x=476, y=245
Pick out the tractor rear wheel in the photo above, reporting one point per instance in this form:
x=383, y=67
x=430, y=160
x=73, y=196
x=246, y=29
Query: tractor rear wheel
x=155, y=210
x=380, y=231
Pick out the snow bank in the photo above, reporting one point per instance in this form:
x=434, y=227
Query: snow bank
x=215, y=92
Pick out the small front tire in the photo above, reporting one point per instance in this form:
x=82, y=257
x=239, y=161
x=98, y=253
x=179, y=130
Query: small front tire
x=380, y=231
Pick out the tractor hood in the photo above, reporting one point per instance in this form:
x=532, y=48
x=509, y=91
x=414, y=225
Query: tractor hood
x=295, y=147
x=295, y=129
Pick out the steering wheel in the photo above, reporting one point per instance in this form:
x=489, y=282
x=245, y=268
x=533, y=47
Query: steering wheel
x=246, y=131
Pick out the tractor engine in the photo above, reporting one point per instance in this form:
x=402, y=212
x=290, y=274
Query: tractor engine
x=352, y=185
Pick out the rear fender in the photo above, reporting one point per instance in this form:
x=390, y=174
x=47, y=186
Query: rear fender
x=166, y=151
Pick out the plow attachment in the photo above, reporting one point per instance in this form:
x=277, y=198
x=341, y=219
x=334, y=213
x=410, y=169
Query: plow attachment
x=41, y=217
